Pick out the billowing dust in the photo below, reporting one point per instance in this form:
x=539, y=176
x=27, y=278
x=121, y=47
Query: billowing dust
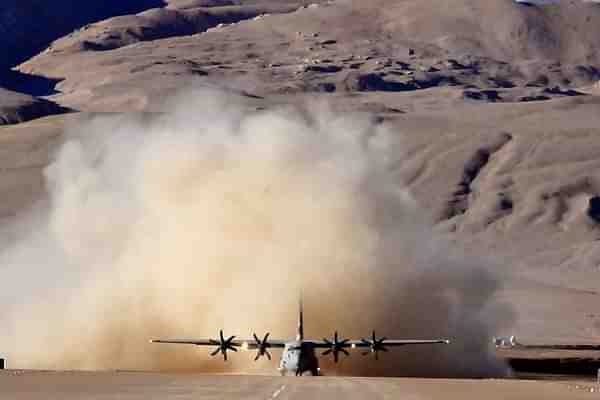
x=211, y=216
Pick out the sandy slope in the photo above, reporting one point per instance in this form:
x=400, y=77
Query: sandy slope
x=26, y=149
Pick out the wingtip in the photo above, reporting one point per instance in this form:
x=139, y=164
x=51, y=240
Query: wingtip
x=447, y=341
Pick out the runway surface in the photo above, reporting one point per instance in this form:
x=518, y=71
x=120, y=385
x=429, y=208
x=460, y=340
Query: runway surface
x=34, y=385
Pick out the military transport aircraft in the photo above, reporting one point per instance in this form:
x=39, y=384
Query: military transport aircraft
x=299, y=355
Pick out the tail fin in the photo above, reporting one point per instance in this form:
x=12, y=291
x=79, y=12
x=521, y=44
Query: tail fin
x=300, y=334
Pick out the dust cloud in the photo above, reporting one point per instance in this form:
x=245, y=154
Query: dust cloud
x=211, y=216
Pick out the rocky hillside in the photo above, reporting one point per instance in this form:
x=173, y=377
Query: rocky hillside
x=498, y=51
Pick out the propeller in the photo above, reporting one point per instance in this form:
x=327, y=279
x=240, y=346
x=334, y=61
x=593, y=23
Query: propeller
x=336, y=347
x=262, y=346
x=223, y=345
x=375, y=345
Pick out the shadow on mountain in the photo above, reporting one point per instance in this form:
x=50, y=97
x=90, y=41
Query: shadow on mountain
x=33, y=85
x=52, y=20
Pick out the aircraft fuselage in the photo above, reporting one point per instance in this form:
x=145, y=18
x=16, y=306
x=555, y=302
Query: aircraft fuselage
x=298, y=357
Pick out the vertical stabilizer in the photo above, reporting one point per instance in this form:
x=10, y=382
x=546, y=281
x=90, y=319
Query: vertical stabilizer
x=300, y=334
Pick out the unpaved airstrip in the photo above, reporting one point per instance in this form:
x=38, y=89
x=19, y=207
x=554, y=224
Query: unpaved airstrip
x=29, y=385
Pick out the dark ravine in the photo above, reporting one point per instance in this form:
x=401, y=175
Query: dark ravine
x=555, y=366
x=39, y=108
x=459, y=203
x=33, y=85
x=552, y=359
x=17, y=107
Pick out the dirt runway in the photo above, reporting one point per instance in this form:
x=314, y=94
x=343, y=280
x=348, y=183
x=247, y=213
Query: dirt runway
x=29, y=385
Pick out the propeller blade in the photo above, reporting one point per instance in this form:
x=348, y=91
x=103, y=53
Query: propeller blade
x=221, y=335
x=214, y=353
x=225, y=355
x=262, y=346
x=230, y=339
x=338, y=346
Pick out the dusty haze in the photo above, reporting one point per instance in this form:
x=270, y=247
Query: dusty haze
x=211, y=216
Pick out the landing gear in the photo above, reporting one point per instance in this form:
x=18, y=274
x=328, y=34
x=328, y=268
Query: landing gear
x=313, y=371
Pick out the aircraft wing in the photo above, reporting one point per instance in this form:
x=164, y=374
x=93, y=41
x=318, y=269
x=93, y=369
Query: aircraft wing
x=243, y=343
x=392, y=343
x=387, y=343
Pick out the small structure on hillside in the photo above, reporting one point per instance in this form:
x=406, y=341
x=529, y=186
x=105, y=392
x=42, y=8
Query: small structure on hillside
x=505, y=341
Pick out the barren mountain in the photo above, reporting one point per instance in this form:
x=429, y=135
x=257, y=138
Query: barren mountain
x=498, y=51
